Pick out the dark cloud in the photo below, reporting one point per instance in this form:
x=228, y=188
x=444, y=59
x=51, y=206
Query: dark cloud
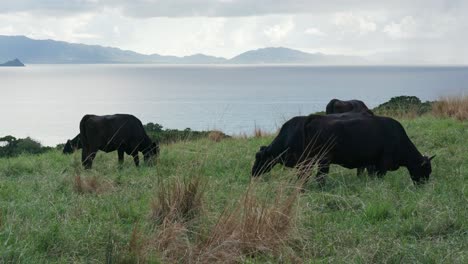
x=50, y=6
x=227, y=8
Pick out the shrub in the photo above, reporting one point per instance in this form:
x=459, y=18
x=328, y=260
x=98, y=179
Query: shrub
x=167, y=136
x=12, y=147
x=403, y=106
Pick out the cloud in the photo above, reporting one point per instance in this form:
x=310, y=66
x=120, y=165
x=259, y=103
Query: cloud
x=224, y=8
x=70, y=28
x=228, y=27
x=314, y=31
x=352, y=23
x=406, y=28
x=424, y=27
x=278, y=32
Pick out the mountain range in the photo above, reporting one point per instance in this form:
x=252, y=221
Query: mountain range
x=32, y=51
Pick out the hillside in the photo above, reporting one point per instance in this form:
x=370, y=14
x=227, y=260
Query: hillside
x=51, y=210
x=12, y=63
x=51, y=51
x=290, y=56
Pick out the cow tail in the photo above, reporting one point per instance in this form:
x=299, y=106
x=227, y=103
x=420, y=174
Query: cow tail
x=329, y=109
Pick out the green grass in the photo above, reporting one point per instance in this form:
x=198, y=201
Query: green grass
x=44, y=219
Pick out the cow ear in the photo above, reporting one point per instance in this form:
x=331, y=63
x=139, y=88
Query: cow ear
x=426, y=160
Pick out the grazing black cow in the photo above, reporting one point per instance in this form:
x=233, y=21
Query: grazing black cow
x=350, y=140
x=336, y=106
x=72, y=145
x=121, y=132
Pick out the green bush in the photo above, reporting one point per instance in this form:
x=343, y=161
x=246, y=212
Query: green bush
x=166, y=136
x=404, y=106
x=12, y=147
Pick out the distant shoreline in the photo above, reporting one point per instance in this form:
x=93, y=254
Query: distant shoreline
x=254, y=65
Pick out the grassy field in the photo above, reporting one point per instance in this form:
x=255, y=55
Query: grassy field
x=198, y=204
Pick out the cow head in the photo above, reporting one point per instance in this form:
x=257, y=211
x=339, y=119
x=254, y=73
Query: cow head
x=421, y=172
x=68, y=148
x=264, y=162
x=151, y=152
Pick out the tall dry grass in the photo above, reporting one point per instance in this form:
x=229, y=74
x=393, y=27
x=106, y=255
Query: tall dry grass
x=178, y=201
x=216, y=136
x=258, y=132
x=455, y=107
x=91, y=184
x=254, y=226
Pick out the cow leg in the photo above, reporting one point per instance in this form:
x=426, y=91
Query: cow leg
x=383, y=166
x=323, y=169
x=371, y=170
x=87, y=158
x=136, y=159
x=360, y=171
x=120, y=152
x=84, y=156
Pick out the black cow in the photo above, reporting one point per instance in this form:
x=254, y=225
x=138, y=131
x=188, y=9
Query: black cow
x=72, y=145
x=121, y=132
x=336, y=106
x=350, y=140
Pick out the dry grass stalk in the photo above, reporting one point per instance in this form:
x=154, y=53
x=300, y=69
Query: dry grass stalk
x=253, y=227
x=258, y=132
x=135, y=245
x=242, y=135
x=216, y=135
x=90, y=185
x=172, y=244
x=456, y=107
x=179, y=201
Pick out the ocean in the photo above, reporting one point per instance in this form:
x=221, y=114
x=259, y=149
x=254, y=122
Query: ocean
x=46, y=102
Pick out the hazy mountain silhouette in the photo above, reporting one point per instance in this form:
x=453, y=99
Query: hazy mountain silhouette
x=51, y=51
x=12, y=63
x=285, y=55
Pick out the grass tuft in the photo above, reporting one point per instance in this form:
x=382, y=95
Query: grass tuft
x=178, y=201
x=254, y=227
x=171, y=243
x=259, y=133
x=454, y=107
x=91, y=184
x=216, y=136
x=378, y=211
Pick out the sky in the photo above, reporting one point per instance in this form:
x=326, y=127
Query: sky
x=401, y=31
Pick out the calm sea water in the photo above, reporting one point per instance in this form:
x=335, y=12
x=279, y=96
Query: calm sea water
x=47, y=102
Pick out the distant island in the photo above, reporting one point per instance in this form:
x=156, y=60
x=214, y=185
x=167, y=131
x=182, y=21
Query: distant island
x=50, y=51
x=12, y=63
